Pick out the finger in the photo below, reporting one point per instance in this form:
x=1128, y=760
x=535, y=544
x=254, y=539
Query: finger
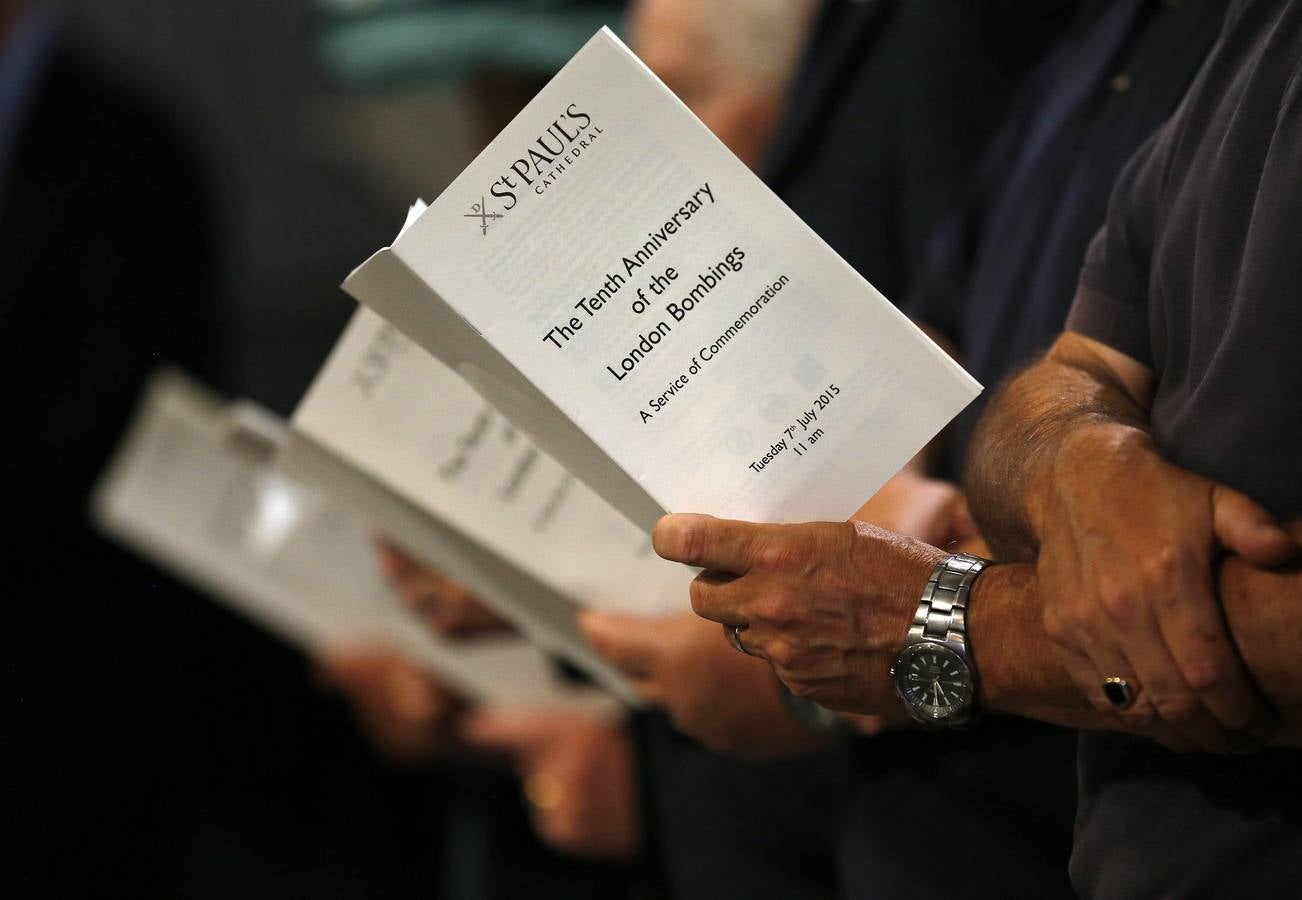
x=1196, y=637
x=715, y=597
x=1163, y=685
x=649, y=690
x=458, y=612
x=726, y=545
x=632, y=643
x=413, y=696
x=394, y=561
x=502, y=732
x=1245, y=528
x=1089, y=673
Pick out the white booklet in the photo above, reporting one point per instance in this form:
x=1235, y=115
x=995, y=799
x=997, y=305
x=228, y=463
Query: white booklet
x=618, y=284
x=194, y=487
x=392, y=411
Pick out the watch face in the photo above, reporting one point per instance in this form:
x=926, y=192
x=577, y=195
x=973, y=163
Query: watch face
x=933, y=680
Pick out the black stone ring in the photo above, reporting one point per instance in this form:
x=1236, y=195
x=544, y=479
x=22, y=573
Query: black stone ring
x=1118, y=692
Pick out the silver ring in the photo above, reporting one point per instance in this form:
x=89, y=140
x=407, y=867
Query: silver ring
x=1118, y=692
x=734, y=637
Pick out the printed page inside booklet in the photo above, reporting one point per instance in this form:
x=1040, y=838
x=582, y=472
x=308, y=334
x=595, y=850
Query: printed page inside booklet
x=193, y=488
x=389, y=408
x=620, y=285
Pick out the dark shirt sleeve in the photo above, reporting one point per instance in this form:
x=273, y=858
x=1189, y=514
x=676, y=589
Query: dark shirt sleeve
x=1111, y=303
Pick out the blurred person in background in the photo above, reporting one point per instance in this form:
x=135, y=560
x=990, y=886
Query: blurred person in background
x=160, y=746
x=106, y=257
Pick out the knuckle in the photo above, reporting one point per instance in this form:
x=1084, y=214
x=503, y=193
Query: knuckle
x=1158, y=563
x=697, y=592
x=780, y=653
x=1207, y=674
x=799, y=688
x=1238, y=719
x=1114, y=601
x=690, y=543
x=1141, y=716
x=777, y=608
x=1177, y=709
x=775, y=553
x=1056, y=626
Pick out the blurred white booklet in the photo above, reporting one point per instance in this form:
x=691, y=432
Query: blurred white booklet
x=193, y=487
x=622, y=287
x=394, y=412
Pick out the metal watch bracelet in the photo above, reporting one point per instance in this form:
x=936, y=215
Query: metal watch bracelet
x=942, y=611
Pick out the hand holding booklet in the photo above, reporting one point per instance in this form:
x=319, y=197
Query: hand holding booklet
x=614, y=281
x=649, y=330
x=196, y=487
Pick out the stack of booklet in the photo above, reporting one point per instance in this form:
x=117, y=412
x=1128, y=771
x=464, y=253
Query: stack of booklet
x=605, y=318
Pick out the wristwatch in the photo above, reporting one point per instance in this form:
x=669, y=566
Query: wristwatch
x=934, y=673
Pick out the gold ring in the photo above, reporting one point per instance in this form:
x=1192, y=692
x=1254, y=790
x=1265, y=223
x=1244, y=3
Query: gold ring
x=543, y=790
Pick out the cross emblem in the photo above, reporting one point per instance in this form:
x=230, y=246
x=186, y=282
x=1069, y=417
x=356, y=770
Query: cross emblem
x=480, y=212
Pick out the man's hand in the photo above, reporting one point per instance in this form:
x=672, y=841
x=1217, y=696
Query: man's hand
x=726, y=700
x=579, y=776
x=406, y=714
x=1127, y=544
x=827, y=604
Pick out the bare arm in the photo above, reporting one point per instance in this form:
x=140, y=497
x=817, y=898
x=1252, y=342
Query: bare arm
x=1064, y=473
x=1079, y=383
x=1022, y=673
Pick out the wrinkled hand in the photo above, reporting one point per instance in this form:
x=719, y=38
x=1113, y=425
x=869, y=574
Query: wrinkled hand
x=445, y=606
x=1127, y=544
x=728, y=701
x=929, y=509
x=406, y=714
x=827, y=604
x=579, y=776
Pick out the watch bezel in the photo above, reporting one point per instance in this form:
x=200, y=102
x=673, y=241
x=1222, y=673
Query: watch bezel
x=920, y=711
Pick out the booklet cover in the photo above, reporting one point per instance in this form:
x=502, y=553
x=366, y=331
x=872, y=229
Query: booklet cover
x=193, y=487
x=622, y=287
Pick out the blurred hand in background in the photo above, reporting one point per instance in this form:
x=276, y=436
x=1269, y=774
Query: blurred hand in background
x=447, y=607
x=578, y=772
x=930, y=509
x=727, y=700
x=407, y=715
x=730, y=61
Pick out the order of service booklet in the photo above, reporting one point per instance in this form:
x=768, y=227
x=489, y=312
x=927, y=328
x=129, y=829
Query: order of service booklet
x=619, y=285
x=195, y=486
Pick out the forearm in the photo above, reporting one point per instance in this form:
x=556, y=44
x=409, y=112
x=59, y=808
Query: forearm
x=1024, y=429
x=1022, y=672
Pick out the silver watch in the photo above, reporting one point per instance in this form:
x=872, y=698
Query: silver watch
x=934, y=673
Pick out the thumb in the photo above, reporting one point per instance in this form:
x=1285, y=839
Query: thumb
x=631, y=643
x=1245, y=528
